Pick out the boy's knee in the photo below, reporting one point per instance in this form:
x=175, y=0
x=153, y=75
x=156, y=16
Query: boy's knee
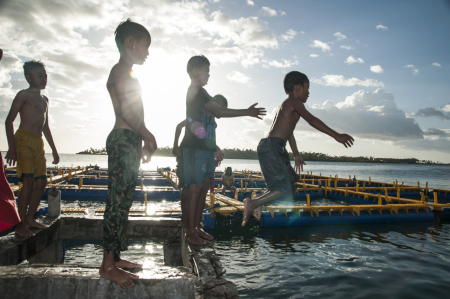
x=41, y=183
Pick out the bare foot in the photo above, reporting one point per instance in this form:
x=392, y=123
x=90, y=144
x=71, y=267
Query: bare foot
x=123, y=278
x=202, y=234
x=35, y=224
x=194, y=239
x=258, y=212
x=23, y=231
x=201, y=225
x=247, y=211
x=124, y=264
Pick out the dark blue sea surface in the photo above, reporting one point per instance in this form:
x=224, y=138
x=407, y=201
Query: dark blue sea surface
x=404, y=260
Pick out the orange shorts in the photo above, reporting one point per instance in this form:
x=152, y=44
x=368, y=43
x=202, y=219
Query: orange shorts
x=31, y=162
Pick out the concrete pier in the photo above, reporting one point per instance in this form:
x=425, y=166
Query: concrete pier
x=54, y=282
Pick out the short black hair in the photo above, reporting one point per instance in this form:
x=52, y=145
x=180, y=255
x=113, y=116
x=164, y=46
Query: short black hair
x=196, y=62
x=218, y=98
x=294, y=78
x=127, y=29
x=31, y=65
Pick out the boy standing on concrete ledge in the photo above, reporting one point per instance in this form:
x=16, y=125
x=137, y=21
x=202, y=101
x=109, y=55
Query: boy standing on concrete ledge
x=124, y=147
x=272, y=155
x=199, y=142
x=26, y=145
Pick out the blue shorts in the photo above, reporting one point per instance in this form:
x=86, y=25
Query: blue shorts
x=198, y=165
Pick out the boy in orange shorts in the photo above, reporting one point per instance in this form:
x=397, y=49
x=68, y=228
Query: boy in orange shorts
x=26, y=145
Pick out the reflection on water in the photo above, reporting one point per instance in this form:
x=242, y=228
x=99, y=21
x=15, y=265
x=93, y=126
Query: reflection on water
x=404, y=260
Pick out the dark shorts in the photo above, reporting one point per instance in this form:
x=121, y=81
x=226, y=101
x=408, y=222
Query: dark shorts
x=198, y=165
x=124, y=155
x=180, y=172
x=276, y=165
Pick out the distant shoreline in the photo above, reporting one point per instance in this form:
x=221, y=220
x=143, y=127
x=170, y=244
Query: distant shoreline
x=245, y=158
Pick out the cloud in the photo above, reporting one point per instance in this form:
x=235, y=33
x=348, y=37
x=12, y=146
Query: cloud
x=313, y=55
x=239, y=77
x=250, y=2
x=439, y=144
x=442, y=113
x=283, y=64
x=347, y=47
x=367, y=115
x=340, y=36
x=267, y=11
x=414, y=69
x=339, y=80
x=381, y=27
x=351, y=60
x=56, y=102
x=376, y=69
x=318, y=44
x=290, y=34
x=436, y=132
x=436, y=64
x=282, y=13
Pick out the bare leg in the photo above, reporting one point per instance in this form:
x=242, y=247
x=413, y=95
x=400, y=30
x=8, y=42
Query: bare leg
x=24, y=198
x=233, y=189
x=223, y=189
x=195, y=191
x=110, y=271
x=183, y=200
x=250, y=205
x=201, y=204
x=35, y=199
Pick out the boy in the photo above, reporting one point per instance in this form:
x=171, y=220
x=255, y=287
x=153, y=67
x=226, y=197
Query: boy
x=26, y=145
x=178, y=152
x=124, y=147
x=199, y=142
x=273, y=157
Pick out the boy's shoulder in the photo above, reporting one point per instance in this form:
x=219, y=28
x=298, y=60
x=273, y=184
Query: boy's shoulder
x=118, y=73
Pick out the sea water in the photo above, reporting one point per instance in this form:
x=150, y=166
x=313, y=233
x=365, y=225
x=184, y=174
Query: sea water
x=391, y=260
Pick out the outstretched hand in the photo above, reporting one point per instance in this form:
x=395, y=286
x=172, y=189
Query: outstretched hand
x=55, y=158
x=256, y=112
x=299, y=162
x=345, y=139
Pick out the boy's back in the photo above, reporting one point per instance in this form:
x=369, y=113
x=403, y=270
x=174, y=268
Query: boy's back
x=285, y=120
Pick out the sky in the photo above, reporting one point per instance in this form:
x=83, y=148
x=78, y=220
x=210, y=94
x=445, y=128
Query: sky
x=378, y=70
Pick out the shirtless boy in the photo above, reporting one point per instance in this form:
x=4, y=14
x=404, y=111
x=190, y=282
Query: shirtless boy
x=124, y=147
x=273, y=157
x=26, y=145
x=199, y=142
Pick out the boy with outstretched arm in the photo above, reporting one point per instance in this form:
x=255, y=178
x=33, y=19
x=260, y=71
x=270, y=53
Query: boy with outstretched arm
x=199, y=142
x=178, y=152
x=26, y=145
x=124, y=147
x=273, y=157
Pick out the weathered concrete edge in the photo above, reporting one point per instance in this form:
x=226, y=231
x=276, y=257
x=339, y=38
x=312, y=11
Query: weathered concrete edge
x=52, y=281
x=14, y=249
x=91, y=228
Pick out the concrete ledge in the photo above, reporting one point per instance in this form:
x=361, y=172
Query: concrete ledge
x=207, y=267
x=91, y=228
x=14, y=249
x=50, y=282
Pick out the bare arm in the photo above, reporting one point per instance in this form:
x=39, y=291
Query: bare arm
x=48, y=136
x=11, y=155
x=299, y=162
x=219, y=111
x=176, y=150
x=317, y=124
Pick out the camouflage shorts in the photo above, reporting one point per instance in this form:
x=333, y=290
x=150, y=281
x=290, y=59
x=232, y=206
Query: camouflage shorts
x=124, y=154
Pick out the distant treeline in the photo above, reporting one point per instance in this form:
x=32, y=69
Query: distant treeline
x=248, y=154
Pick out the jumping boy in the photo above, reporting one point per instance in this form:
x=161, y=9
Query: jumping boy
x=273, y=157
x=124, y=147
x=199, y=142
x=26, y=145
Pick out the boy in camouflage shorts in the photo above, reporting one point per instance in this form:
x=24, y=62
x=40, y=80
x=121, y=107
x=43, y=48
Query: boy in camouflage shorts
x=124, y=147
